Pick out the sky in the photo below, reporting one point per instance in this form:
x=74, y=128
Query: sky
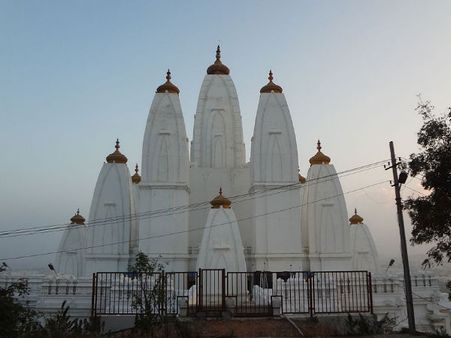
x=75, y=75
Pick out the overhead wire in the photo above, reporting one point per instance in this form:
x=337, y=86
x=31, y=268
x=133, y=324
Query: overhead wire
x=193, y=229
x=193, y=206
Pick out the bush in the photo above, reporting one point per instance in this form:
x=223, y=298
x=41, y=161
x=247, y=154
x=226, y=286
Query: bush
x=16, y=320
x=369, y=325
x=61, y=325
x=149, y=299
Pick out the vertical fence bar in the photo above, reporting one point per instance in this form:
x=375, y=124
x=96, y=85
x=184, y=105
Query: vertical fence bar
x=94, y=291
x=370, y=293
x=200, y=291
x=310, y=292
x=223, y=290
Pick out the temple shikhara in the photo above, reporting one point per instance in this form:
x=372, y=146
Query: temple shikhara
x=263, y=214
x=250, y=237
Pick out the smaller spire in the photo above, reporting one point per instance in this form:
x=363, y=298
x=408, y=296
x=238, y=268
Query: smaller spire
x=220, y=201
x=356, y=219
x=136, y=178
x=218, y=68
x=77, y=218
x=271, y=87
x=116, y=156
x=168, y=86
x=319, y=157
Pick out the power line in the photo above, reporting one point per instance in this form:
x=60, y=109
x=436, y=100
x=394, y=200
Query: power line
x=182, y=209
x=195, y=229
x=414, y=190
x=190, y=206
x=194, y=206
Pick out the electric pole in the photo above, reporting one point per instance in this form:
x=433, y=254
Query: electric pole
x=402, y=235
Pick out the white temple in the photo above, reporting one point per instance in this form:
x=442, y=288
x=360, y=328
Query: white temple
x=277, y=220
x=272, y=219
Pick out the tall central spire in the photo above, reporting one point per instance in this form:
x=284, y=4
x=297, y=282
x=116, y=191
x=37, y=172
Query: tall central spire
x=218, y=132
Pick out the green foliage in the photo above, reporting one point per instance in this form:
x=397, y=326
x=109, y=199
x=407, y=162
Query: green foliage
x=16, y=320
x=368, y=325
x=20, y=321
x=92, y=326
x=149, y=299
x=431, y=214
x=61, y=325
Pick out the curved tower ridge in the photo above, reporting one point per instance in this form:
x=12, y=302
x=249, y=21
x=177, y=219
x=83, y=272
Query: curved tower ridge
x=164, y=179
x=69, y=261
x=109, y=226
x=218, y=132
x=274, y=162
x=165, y=145
x=274, y=152
x=364, y=253
x=221, y=246
x=324, y=220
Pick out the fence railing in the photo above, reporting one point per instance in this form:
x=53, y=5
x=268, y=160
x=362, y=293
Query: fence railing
x=213, y=291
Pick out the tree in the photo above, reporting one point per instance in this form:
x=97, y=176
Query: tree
x=16, y=320
x=149, y=299
x=431, y=213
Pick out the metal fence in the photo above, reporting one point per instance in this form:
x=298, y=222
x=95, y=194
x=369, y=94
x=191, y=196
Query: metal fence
x=212, y=291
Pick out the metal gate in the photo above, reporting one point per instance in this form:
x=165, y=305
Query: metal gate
x=210, y=292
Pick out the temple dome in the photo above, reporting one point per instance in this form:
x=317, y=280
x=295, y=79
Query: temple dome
x=77, y=218
x=356, y=219
x=168, y=86
x=218, y=68
x=116, y=156
x=136, y=178
x=271, y=87
x=319, y=157
x=220, y=201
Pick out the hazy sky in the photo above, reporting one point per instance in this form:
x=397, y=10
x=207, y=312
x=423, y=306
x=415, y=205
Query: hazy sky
x=76, y=75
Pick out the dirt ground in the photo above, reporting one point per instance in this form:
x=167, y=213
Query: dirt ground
x=261, y=328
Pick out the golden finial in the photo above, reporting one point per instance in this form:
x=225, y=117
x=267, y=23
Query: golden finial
x=77, y=218
x=319, y=157
x=168, y=86
x=220, y=201
x=356, y=219
x=116, y=156
x=218, y=53
x=271, y=87
x=136, y=178
x=218, y=68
